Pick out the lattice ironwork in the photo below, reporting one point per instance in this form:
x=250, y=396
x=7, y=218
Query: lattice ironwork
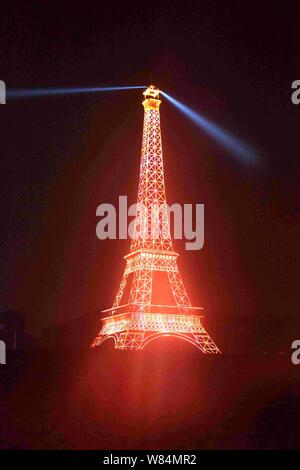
x=135, y=324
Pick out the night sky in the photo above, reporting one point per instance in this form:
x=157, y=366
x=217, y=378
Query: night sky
x=63, y=156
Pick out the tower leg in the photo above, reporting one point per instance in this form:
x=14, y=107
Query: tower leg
x=205, y=343
x=141, y=290
x=120, y=291
x=180, y=296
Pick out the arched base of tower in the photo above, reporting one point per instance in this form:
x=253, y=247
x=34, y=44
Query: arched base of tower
x=137, y=340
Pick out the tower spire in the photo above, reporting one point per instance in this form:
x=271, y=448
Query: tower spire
x=135, y=321
x=152, y=229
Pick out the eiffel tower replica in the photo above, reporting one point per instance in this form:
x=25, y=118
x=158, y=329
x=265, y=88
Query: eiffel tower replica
x=134, y=319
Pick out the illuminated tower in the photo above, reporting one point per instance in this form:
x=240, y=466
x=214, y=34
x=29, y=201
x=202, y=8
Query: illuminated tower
x=135, y=322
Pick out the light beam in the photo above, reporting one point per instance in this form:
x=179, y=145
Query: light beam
x=38, y=92
x=242, y=151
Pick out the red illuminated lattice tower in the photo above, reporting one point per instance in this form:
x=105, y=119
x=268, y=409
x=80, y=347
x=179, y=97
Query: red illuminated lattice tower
x=135, y=323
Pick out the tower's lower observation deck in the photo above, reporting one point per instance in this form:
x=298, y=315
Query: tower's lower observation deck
x=161, y=322
x=134, y=330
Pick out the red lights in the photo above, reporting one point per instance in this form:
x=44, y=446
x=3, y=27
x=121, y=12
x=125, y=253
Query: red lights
x=134, y=324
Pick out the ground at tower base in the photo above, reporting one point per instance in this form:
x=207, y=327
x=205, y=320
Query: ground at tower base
x=166, y=396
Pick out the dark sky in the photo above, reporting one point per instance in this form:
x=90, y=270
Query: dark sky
x=63, y=156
